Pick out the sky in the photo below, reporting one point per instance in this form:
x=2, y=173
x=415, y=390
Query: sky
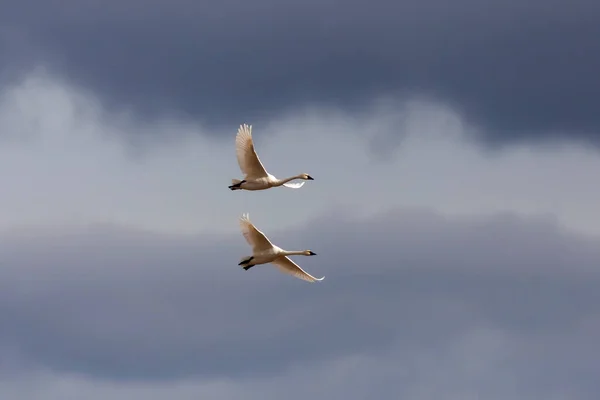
x=454, y=147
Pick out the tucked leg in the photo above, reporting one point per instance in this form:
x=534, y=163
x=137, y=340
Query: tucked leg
x=237, y=186
x=246, y=261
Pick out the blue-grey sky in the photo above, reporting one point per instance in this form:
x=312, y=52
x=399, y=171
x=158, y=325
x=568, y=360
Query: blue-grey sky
x=459, y=238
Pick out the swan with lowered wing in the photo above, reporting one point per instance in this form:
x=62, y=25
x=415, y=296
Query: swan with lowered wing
x=264, y=252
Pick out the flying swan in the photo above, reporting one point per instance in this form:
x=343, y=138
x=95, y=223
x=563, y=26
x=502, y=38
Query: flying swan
x=264, y=252
x=256, y=176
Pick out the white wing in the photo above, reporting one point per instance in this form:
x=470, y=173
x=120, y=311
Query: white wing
x=246, y=155
x=294, y=185
x=254, y=237
x=285, y=264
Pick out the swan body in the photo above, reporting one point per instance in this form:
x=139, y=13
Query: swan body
x=256, y=176
x=264, y=252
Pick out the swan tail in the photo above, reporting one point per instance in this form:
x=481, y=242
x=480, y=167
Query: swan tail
x=294, y=185
x=236, y=184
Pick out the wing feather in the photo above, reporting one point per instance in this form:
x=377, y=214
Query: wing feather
x=250, y=164
x=294, y=185
x=253, y=236
x=286, y=265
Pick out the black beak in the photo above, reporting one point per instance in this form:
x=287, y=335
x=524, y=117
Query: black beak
x=312, y=254
x=310, y=178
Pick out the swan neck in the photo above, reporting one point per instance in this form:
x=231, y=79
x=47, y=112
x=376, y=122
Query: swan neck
x=291, y=178
x=293, y=253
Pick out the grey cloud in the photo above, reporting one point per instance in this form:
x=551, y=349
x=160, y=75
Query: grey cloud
x=521, y=70
x=126, y=305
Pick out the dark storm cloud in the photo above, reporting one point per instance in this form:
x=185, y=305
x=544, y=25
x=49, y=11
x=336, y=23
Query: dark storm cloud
x=125, y=305
x=519, y=69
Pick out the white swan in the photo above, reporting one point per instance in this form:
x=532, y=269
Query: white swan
x=264, y=252
x=256, y=176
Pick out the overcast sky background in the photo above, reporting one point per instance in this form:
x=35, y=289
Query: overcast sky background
x=454, y=211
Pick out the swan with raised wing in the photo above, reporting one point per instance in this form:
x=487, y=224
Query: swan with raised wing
x=264, y=252
x=256, y=176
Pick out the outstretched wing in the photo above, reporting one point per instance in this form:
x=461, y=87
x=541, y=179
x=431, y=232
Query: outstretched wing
x=247, y=158
x=254, y=237
x=286, y=265
x=294, y=185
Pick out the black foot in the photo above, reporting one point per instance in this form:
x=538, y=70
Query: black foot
x=236, y=186
x=246, y=261
x=247, y=267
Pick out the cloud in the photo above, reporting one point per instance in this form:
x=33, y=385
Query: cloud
x=449, y=272
x=518, y=72
x=474, y=297
x=481, y=363
x=67, y=160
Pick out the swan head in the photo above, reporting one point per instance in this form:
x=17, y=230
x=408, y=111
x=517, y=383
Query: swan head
x=309, y=253
x=306, y=177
